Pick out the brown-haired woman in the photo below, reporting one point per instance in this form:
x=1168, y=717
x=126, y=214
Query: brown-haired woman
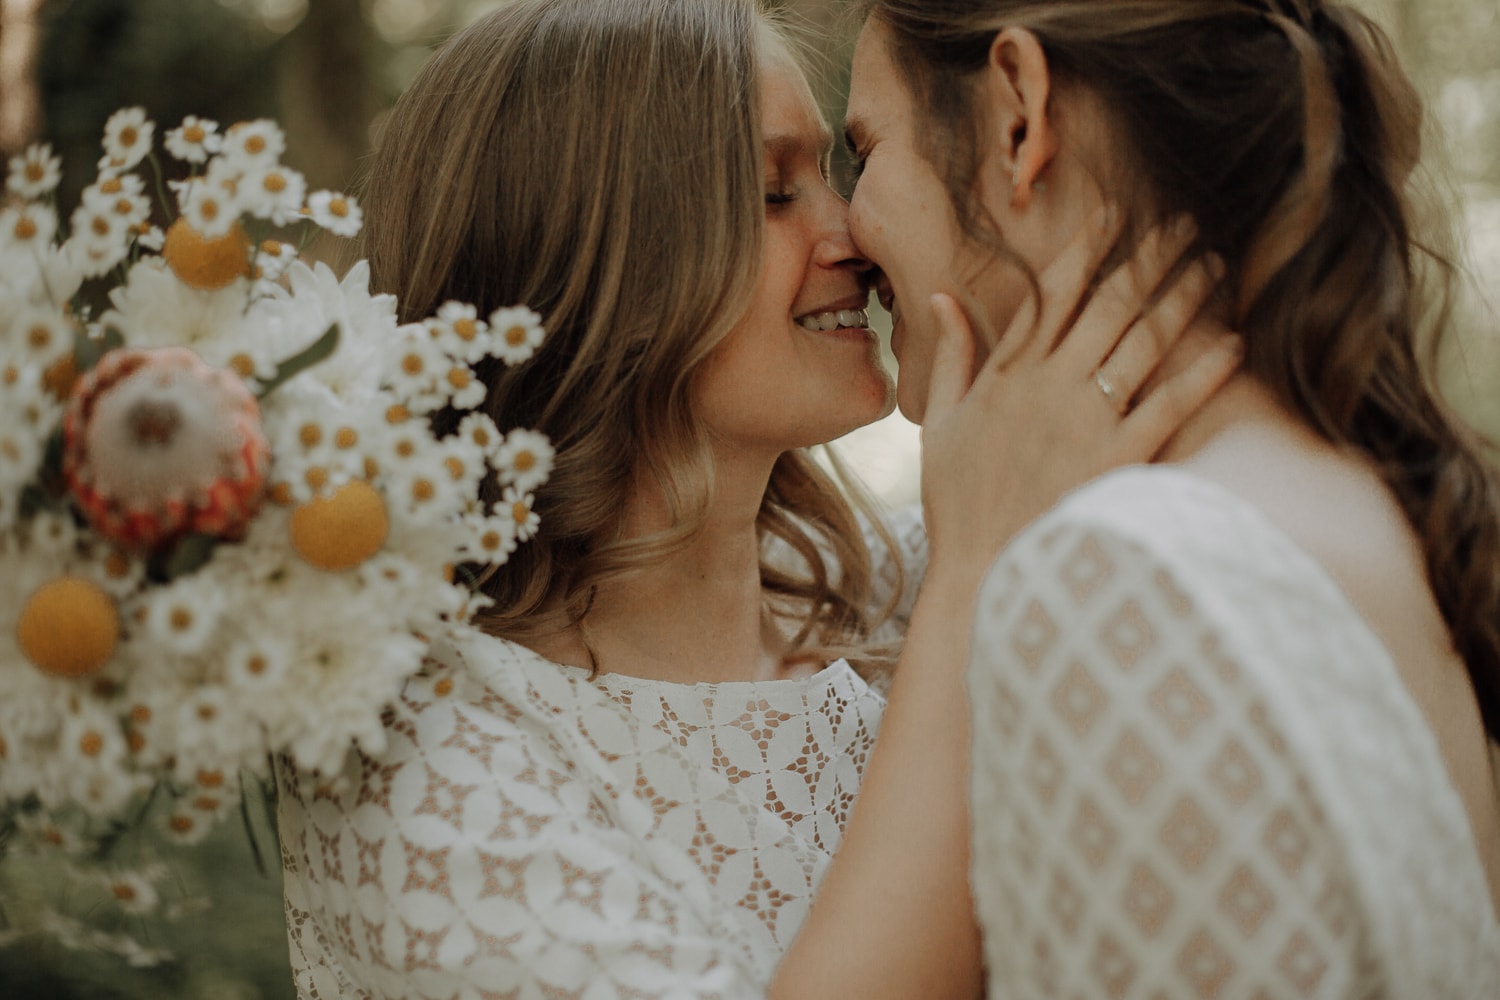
x=1234, y=712
x=633, y=783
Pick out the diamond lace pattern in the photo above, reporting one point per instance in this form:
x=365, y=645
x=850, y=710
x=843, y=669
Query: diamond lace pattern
x=1197, y=773
x=529, y=832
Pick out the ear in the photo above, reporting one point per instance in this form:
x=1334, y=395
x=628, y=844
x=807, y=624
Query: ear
x=1018, y=83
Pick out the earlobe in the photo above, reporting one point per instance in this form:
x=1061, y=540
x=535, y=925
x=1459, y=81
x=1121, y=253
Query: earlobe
x=1020, y=84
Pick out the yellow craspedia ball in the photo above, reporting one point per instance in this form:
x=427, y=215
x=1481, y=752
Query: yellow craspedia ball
x=68, y=627
x=341, y=530
x=206, y=263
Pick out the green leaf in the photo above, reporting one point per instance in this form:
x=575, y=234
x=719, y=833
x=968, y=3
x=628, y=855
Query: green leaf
x=319, y=350
x=189, y=553
x=88, y=350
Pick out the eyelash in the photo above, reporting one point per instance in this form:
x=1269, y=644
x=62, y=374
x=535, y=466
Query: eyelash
x=780, y=197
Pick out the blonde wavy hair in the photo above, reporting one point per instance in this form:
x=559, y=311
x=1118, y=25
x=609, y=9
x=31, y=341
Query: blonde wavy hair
x=1288, y=130
x=600, y=162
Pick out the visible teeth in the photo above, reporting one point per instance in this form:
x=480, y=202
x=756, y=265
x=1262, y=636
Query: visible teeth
x=827, y=321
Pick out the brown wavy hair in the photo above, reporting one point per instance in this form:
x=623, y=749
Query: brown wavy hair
x=600, y=162
x=1288, y=130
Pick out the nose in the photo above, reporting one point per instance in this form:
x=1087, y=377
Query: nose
x=835, y=248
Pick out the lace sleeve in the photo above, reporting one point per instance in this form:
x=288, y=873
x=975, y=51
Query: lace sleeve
x=1142, y=826
x=475, y=858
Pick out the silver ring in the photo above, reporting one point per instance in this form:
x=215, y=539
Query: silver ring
x=1112, y=394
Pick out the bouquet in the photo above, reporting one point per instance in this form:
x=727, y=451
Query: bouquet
x=227, y=529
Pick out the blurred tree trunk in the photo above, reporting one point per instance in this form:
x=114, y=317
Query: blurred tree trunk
x=20, y=100
x=329, y=93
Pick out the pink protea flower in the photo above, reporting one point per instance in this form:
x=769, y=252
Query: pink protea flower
x=157, y=445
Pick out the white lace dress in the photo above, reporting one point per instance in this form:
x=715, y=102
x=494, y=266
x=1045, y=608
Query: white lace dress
x=1198, y=774
x=533, y=833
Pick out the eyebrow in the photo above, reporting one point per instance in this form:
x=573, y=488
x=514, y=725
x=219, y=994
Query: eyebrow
x=783, y=144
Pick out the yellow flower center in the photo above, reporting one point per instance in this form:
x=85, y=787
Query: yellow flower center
x=422, y=491
x=255, y=144
x=520, y=511
x=203, y=263
x=455, y=467
x=338, y=207
x=515, y=336
x=194, y=133
x=524, y=461
x=129, y=136
x=311, y=435
x=346, y=438
x=275, y=183
x=466, y=328
x=34, y=172
x=397, y=414
x=342, y=530
x=91, y=744
x=111, y=185
x=68, y=628
x=100, y=226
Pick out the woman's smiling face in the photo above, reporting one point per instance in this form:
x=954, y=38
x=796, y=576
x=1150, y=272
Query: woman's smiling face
x=802, y=366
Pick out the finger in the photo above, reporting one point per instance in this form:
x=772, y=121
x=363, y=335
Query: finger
x=1163, y=410
x=1125, y=294
x=1061, y=286
x=952, y=358
x=1138, y=353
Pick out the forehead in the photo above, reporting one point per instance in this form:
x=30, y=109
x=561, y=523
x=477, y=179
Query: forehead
x=788, y=110
x=874, y=87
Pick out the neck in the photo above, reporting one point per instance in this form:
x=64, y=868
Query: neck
x=696, y=614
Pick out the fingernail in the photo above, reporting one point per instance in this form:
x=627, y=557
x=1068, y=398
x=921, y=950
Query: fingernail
x=1216, y=266
x=1184, y=227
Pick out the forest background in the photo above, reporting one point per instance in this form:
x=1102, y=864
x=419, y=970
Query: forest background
x=328, y=70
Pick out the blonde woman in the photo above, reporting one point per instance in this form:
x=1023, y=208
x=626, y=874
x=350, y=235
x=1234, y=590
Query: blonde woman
x=1234, y=712
x=632, y=781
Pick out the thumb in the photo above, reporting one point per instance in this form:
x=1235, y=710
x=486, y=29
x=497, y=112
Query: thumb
x=952, y=357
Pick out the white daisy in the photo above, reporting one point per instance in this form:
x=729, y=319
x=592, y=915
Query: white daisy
x=132, y=891
x=464, y=389
x=478, y=429
x=519, y=506
x=184, y=615
x=491, y=539
x=273, y=192
x=258, y=663
x=254, y=144
x=194, y=140
x=35, y=172
x=208, y=208
x=127, y=140
x=273, y=258
x=27, y=228
x=418, y=372
x=460, y=332
x=525, y=460
x=338, y=213
x=517, y=333
x=151, y=238
x=43, y=335
x=98, y=240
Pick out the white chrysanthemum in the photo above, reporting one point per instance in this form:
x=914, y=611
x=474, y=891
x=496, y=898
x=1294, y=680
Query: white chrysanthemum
x=35, y=172
x=27, y=228
x=195, y=140
x=516, y=333
x=98, y=241
x=101, y=194
x=252, y=145
x=525, y=460
x=127, y=140
x=153, y=309
x=519, y=507
x=151, y=238
x=318, y=299
x=46, y=832
x=460, y=332
x=208, y=208
x=273, y=192
x=338, y=213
